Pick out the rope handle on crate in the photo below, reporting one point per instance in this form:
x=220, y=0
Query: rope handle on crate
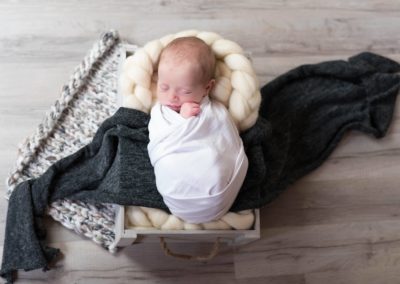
x=211, y=255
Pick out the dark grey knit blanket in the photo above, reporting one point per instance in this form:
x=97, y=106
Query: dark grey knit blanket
x=304, y=114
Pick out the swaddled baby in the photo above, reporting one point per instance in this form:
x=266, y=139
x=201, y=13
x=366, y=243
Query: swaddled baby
x=195, y=147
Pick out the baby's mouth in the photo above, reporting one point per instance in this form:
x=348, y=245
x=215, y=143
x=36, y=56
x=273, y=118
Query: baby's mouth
x=174, y=107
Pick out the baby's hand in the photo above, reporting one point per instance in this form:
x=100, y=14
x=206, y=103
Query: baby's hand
x=190, y=109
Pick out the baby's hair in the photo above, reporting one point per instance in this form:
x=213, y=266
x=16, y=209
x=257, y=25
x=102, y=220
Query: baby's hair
x=192, y=48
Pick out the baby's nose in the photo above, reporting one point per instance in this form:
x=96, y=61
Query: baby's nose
x=172, y=96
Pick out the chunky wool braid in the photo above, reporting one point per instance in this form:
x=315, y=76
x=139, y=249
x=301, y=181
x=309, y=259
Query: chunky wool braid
x=143, y=217
x=236, y=85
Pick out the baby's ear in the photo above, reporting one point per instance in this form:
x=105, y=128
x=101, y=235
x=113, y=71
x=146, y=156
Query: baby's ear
x=210, y=85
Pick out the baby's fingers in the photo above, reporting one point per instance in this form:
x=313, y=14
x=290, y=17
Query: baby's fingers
x=195, y=110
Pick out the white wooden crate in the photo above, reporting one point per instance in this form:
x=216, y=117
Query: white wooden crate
x=126, y=236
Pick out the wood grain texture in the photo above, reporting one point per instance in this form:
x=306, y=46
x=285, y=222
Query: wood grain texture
x=339, y=224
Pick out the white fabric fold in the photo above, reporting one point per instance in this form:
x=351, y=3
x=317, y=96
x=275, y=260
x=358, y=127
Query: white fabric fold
x=199, y=162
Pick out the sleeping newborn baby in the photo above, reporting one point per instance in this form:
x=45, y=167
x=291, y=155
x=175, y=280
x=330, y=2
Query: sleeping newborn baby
x=195, y=147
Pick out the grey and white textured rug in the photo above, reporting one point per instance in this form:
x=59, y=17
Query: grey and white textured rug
x=89, y=97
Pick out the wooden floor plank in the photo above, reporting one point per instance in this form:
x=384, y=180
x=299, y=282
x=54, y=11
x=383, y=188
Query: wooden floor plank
x=321, y=248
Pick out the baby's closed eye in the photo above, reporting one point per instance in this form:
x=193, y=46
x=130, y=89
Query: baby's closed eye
x=163, y=87
x=186, y=92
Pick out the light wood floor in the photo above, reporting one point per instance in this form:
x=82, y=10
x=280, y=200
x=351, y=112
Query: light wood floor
x=340, y=224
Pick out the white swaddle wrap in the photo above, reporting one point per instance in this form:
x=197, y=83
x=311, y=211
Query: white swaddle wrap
x=199, y=162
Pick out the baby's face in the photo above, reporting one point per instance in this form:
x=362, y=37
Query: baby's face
x=179, y=83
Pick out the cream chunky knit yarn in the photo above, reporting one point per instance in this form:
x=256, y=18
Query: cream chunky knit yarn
x=236, y=85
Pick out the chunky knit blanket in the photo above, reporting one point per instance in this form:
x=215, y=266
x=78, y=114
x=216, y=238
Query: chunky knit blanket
x=303, y=115
x=86, y=100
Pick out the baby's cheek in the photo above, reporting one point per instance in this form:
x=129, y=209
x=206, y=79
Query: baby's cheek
x=161, y=98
